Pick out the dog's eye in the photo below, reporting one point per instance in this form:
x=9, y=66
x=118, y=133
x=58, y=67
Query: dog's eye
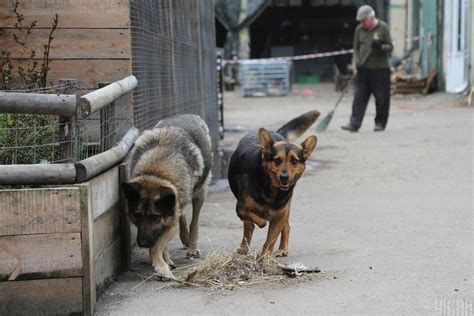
x=155, y=217
x=277, y=161
x=294, y=161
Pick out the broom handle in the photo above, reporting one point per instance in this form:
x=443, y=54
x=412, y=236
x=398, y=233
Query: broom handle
x=346, y=88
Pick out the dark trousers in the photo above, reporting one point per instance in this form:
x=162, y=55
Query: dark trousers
x=376, y=82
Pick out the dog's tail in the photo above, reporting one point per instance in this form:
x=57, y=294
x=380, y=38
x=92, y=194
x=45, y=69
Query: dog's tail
x=297, y=126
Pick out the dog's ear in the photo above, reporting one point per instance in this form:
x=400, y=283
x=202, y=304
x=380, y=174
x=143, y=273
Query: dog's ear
x=166, y=202
x=266, y=143
x=308, y=146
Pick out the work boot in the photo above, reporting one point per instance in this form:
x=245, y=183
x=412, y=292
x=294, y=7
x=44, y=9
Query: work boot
x=378, y=127
x=349, y=127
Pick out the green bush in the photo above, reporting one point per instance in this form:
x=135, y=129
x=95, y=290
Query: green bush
x=28, y=139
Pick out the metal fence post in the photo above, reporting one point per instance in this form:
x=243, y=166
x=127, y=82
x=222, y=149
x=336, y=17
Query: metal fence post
x=107, y=124
x=67, y=126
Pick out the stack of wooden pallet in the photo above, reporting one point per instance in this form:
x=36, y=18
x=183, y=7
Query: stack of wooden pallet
x=406, y=84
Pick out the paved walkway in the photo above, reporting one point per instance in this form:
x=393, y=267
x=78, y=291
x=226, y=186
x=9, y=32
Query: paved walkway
x=388, y=217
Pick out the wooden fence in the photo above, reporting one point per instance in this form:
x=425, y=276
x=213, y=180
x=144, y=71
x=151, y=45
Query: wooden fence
x=61, y=246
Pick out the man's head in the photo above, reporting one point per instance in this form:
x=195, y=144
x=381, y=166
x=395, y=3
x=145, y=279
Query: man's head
x=366, y=15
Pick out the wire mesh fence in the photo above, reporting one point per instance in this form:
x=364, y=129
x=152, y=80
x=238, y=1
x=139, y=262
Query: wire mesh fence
x=174, y=61
x=40, y=138
x=173, y=58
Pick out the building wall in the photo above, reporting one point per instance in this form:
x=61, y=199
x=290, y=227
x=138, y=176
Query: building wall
x=91, y=44
x=398, y=25
x=471, y=68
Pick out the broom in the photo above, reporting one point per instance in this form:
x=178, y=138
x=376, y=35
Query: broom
x=323, y=125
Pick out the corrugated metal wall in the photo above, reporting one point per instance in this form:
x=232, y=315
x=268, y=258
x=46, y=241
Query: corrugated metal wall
x=174, y=60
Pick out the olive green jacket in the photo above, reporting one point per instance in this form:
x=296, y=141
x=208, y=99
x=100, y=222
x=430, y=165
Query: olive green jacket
x=362, y=45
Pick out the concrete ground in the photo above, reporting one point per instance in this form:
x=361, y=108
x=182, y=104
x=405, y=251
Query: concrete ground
x=386, y=216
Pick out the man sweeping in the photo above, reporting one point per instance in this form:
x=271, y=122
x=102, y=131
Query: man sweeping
x=372, y=38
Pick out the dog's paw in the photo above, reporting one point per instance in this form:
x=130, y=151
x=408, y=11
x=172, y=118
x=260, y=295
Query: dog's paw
x=193, y=253
x=243, y=250
x=282, y=253
x=262, y=224
x=171, y=264
x=164, y=272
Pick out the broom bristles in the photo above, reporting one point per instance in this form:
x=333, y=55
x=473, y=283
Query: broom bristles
x=323, y=125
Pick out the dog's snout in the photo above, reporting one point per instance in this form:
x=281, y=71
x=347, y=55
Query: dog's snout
x=284, y=177
x=144, y=243
x=146, y=238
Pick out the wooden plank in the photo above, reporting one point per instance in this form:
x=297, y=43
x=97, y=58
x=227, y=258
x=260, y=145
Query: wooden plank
x=33, y=103
x=41, y=297
x=40, y=211
x=89, y=293
x=429, y=81
x=73, y=43
x=72, y=14
x=107, y=266
x=106, y=230
x=40, y=256
x=104, y=192
x=37, y=174
x=89, y=72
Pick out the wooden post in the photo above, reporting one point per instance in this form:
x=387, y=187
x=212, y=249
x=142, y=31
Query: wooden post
x=37, y=174
x=94, y=101
x=89, y=291
x=33, y=103
x=92, y=166
x=107, y=124
x=125, y=233
x=67, y=127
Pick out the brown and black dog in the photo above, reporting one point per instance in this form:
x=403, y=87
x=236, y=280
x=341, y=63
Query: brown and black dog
x=263, y=172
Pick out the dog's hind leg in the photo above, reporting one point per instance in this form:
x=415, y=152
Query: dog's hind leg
x=248, y=232
x=198, y=201
x=183, y=230
x=157, y=251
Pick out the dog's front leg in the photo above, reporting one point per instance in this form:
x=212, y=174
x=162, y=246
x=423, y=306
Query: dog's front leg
x=167, y=258
x=275, y=229
x=285, y=232
x=248, y=232
x=285, y=235
x=248, y=215
x=157, y=251
x=183, y=230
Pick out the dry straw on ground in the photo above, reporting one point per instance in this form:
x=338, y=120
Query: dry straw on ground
x=220, y=270
x=231, y=270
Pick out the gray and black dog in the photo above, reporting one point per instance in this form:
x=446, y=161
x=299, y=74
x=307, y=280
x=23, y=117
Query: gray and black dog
x=169, y=167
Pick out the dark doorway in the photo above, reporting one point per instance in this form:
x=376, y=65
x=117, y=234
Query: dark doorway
x=221, y=34
x=305, y=29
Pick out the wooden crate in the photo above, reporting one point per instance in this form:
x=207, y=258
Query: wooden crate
x=60, y=247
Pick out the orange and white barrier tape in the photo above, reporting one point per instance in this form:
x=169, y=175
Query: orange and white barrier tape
x=291, y=58
x=315, y=55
